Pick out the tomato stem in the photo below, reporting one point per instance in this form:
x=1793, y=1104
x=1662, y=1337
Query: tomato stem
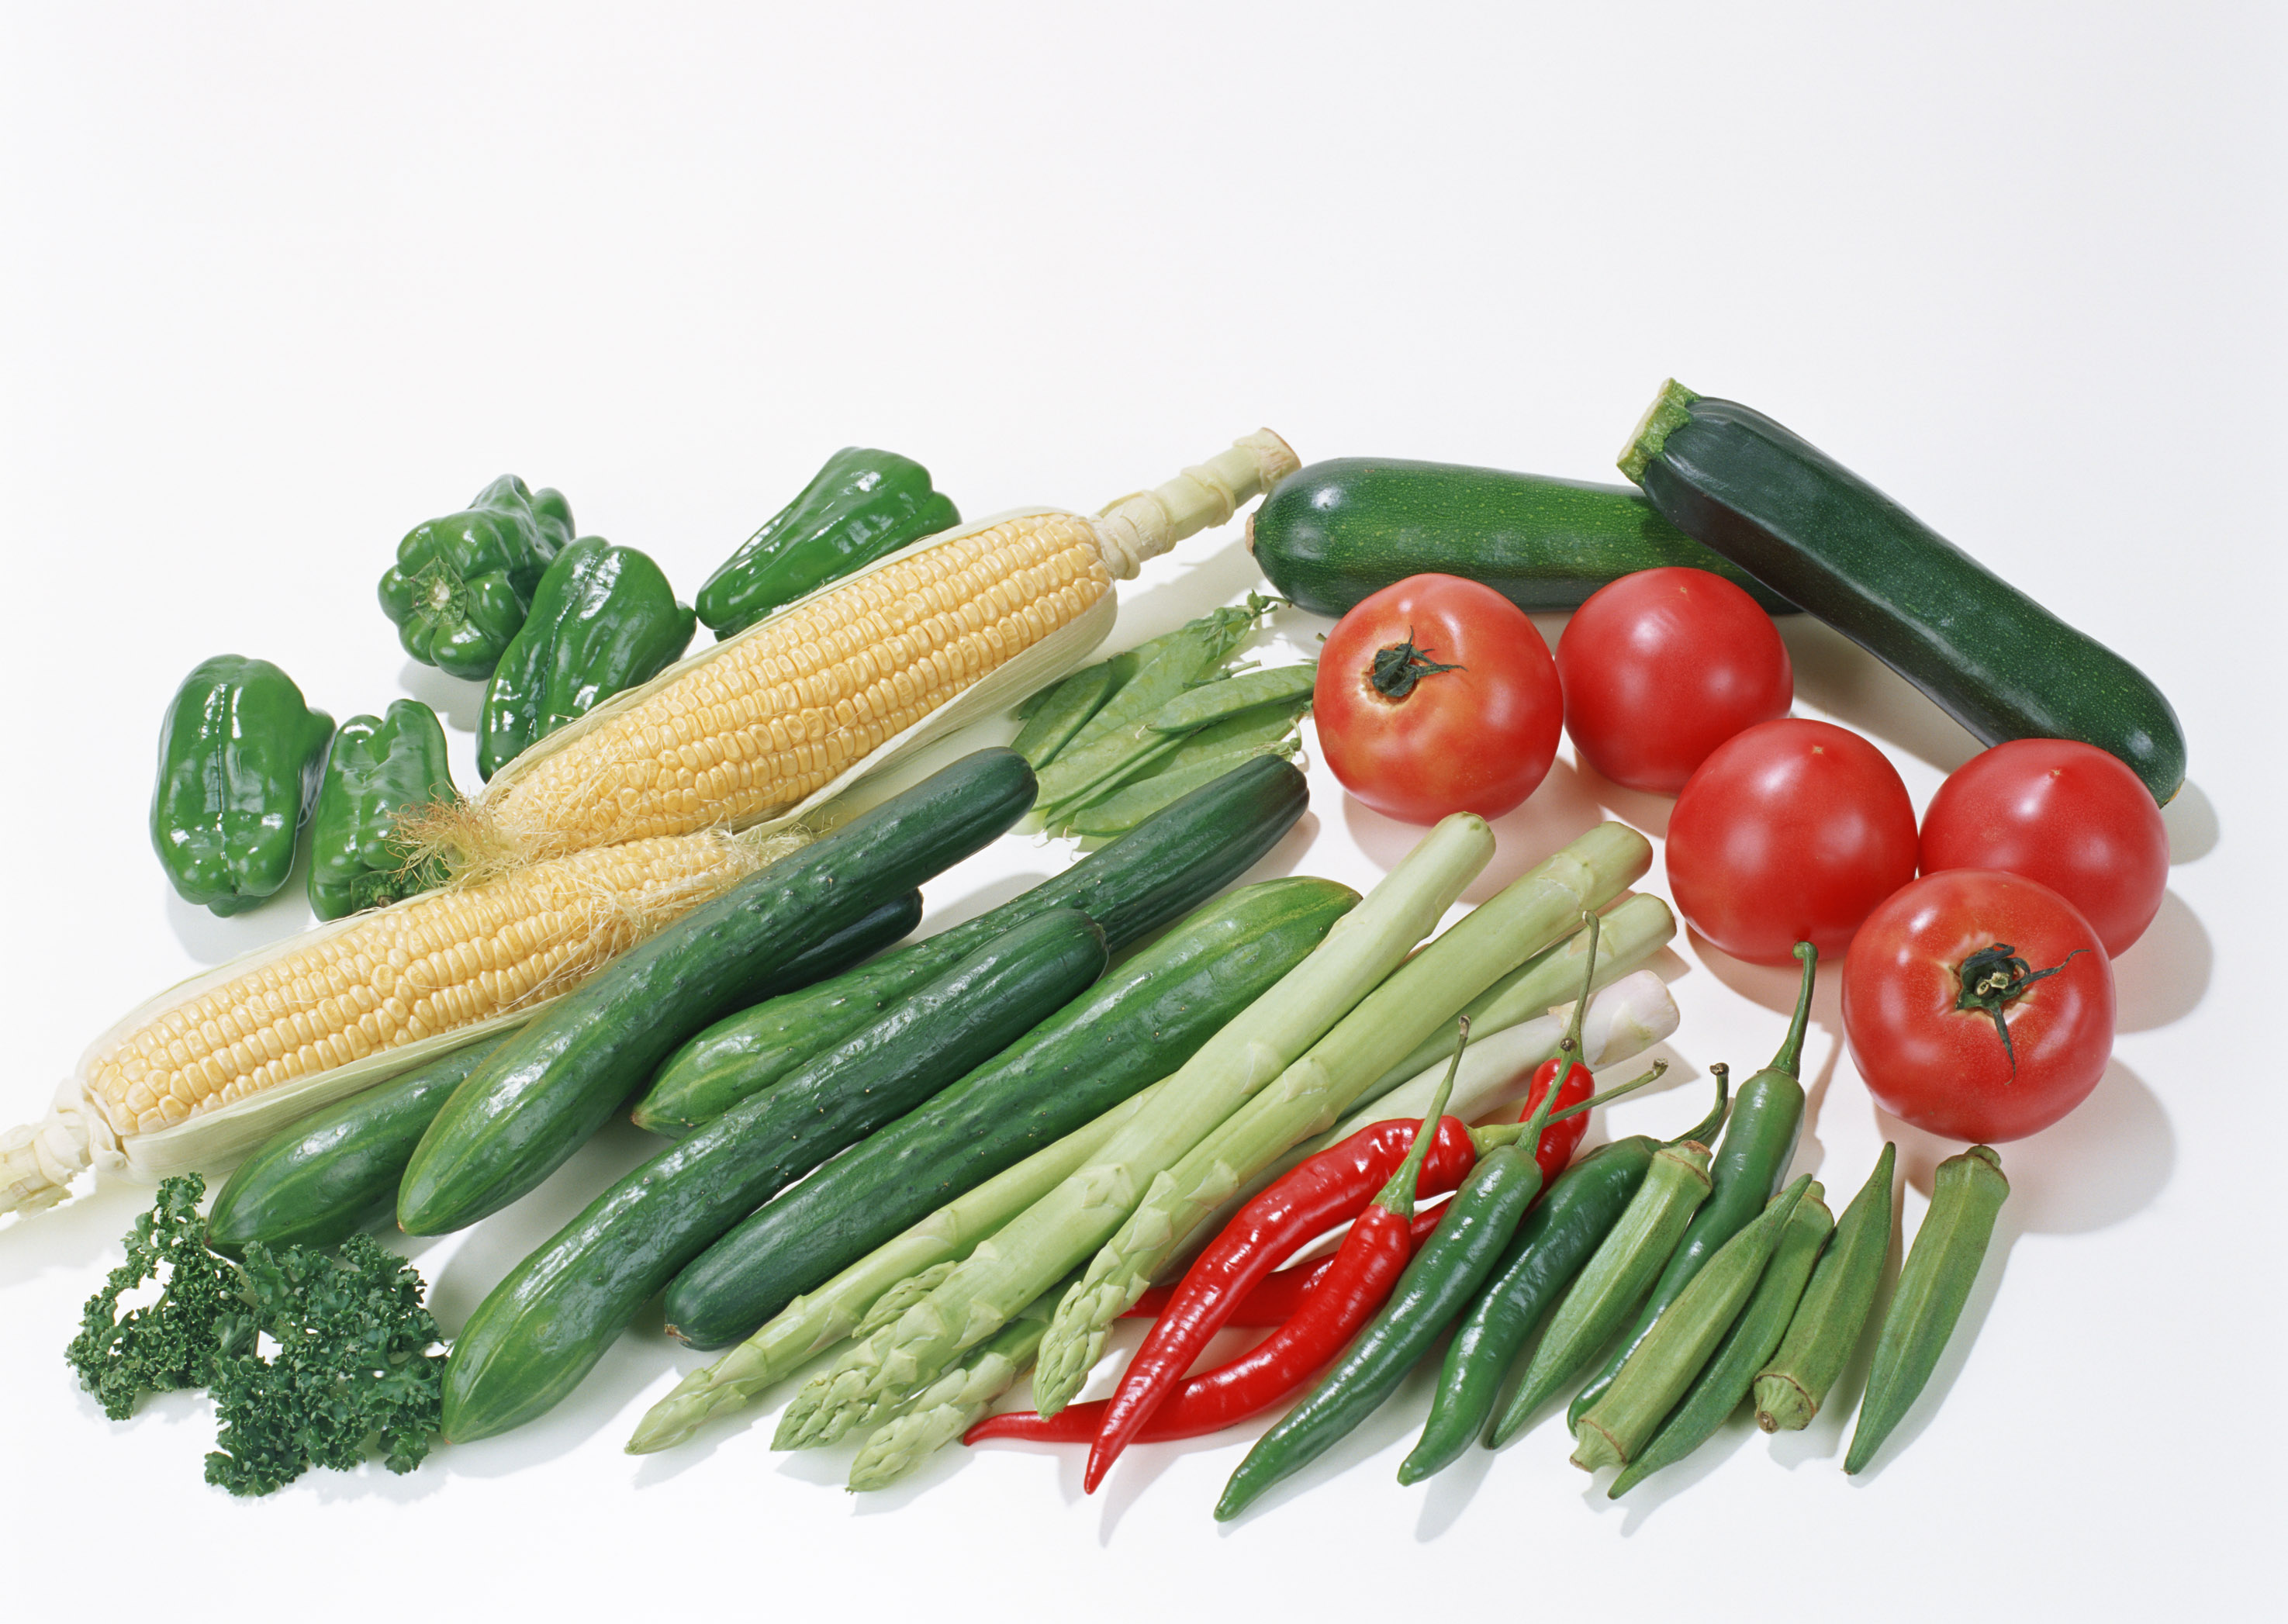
x=1398, y=667
x=1994, y=977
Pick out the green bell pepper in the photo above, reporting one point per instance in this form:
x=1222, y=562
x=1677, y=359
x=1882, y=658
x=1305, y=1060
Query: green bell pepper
x=376, y=768
x=603, y=619
x=239, y=757
x=862, y=506
x=462, y=583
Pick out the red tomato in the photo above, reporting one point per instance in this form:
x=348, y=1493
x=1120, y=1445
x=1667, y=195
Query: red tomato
x=1662, y=666
x=1437, y=695
x=1791, y=831
x=2070, y=815
x=1944, y=1068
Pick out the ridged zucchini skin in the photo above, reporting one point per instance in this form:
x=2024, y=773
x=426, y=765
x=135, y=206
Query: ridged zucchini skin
x=1133, y=1027
x=1337, y=532
x=1159, y=870
x=542, y=1328
x=1986, y=653
x=515, y=1118
x=325, y=1179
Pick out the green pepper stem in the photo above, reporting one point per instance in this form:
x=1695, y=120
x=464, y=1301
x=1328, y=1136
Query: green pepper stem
x=1790, y=1058
x=1570, y=1048
x=1397, y=1196
x=1704, y=1131
x=1510, y=1133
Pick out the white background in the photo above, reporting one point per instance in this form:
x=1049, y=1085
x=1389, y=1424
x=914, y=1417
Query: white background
x=279, y=284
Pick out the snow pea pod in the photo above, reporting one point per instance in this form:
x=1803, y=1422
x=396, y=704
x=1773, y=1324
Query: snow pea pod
x=1750, y=1162
x=1966, y=1199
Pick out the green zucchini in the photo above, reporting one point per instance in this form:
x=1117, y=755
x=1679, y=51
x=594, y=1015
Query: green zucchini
x=1133, y=1027
x=326, y=1178
x=1337, y=532
x=515, y=1118
x=1164, y=867
x=543, y=1327
x=1987, y=655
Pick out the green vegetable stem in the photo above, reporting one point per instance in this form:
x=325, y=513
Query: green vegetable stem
x=1965, y=1200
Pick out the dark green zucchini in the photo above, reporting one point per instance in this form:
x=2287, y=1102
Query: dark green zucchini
x=1131, y=1029
x=1161, y=869
x=514, y=1120
x=325, y=1179
x=1987, y=655
x=545, y=1327
x=1337, y=532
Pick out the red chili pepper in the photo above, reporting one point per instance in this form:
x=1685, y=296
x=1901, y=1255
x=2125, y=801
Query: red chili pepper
x=1310, y=1199
x=1559, y=1140
x=1348, y=1290
x=1276, y=1297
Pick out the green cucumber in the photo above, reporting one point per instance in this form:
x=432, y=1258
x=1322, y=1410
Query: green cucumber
x=1133, y=1027
x=1987, y=655
x=326, y=1178
x=336, y=1174
x=515, y=1118
x=1164, y=867
x=543, y=1327
x=1337, y=532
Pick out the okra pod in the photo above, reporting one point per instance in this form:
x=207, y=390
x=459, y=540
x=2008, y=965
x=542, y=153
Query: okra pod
x=1833, y=1313
x=1671, y=1355
x=1612, y=1280
x=1722, y=1386
x=1965, y=1200
x=1751, y=1161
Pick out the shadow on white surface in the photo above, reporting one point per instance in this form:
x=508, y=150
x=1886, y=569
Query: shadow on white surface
x=211, y=939
x=1834, y=677
x=1556, y=813
x=2162, y=976
x=1639, y=809
x=81, y=1237
x=457, y=701
x=2191, y=820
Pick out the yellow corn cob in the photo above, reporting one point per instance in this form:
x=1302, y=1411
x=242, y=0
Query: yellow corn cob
x=796, y=707
x=205, y=1072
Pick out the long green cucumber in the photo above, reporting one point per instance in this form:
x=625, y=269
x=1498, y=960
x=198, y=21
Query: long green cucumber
x=542, y=1328
x=1158, y=871
x=1132, y=1028
x=1987, y=655
x=326, y=1178
x=1337, y=532
x=515, y=1118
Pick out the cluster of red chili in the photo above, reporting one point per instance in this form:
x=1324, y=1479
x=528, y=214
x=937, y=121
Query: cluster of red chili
x=1371, y=1181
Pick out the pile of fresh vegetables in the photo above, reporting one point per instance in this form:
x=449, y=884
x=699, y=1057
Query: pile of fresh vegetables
x=948, y=1163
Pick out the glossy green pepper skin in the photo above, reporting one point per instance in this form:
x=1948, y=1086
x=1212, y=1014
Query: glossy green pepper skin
x=604, y=619
x=462, y=583
x=378, y=767
x=239, y=757
x=862, y=505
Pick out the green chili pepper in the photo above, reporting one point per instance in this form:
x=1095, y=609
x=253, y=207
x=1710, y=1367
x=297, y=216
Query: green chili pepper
x=1966, y=1199
x=1722, y=1386
x=378, y=768
x=240, y=754
x=603, y=619
x=1751, y=1161
x=1613, y=1279
x=462, y=583
x=1672, y=1353
x=1833, y=1313
x=1444, y=1275
x=1558, y=1236
x=863, y=506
